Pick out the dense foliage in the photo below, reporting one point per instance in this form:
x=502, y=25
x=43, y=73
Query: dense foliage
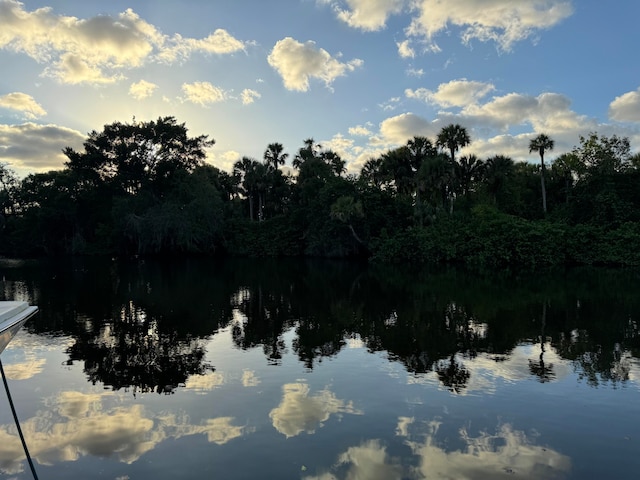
x=144, y=188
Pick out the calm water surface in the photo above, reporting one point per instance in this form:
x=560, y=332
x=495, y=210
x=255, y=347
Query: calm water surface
x=320, y=370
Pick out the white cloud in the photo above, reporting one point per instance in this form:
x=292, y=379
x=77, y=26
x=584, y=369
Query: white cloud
x=297, y=62
x=95, y=50
x=415, y=72
x=626, y=107
x=367, y=15
x=249, y=96
x=142, y=89
x=298, y=412
x=77, y=50
x=405, y=50
x=548, y=112
x=219, y=42
x=401, y=128
x=203, y=93
x=359, y=130
x=502, y=21
x=30, y=147
x=23, y=103
x=223, y=160
x=456, y=93
x=390, y=104
x=73, y=69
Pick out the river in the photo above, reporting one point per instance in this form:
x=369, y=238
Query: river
x=318, y=369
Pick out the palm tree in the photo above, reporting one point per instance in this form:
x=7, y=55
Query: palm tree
x=467, y=172
x=420, y=148
x=310, y=151
x=332, y=159
x=245, y=169
x=274, y=155
x=371, y=172
x=497, y=172
x=541, y=144
x=396, y=164
x=453, y=137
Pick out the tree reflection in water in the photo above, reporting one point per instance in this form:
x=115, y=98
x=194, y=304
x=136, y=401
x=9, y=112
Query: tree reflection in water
x=144, y=324
x=538, y=368
x=134, y=351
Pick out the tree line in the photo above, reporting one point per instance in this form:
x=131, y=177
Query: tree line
x=144, y=188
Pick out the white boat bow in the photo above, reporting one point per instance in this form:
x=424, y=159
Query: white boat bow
x=12, y=316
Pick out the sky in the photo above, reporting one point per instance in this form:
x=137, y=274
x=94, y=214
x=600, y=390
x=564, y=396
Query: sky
x=360, y=77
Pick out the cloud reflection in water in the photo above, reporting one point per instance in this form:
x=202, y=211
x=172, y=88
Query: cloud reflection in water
x=78, y=424
x=298, y=412
x=507, y=453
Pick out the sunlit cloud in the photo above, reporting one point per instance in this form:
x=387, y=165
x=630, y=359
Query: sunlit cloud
x=224, y=160
x=456, y=93
x=37, y=147
x=491, y=122
x=397, y=130
x=142, y=89
x=95, y=50
x=626, y=107
x=203, y=93
x=219, y=42
x=73, y=69
x=359, y=130
x=23, y=103
x=501, y=21
x=366, y=15
x=390, y=104
x=298, y=62
x=298, y=412
x=405, y=50
x=249, y=96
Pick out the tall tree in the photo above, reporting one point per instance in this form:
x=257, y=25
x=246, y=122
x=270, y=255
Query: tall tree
x=274, y=155
x=468, y=171
x=8, y=185
x=371, y=172
x=453, y=137
x=245, y=169
x=541, y=144
x=310, y=151
x=396, y=164
x=497, y=172
x=130, y=157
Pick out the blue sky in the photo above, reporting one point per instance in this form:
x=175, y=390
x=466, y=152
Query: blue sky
x=358, y=76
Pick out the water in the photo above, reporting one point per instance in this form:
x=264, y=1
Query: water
x=320, y=370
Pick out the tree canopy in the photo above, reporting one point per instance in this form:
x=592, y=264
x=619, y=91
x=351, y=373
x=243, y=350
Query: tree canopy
x=145, y=188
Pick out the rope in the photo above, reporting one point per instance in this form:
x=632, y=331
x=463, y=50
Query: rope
x=15, y=418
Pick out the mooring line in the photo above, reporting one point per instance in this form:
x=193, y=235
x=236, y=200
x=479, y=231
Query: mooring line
x=15, y=418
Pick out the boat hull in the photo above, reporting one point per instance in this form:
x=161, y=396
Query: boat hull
x=13, y=316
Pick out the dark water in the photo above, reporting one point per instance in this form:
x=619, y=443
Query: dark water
x=320, y=370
